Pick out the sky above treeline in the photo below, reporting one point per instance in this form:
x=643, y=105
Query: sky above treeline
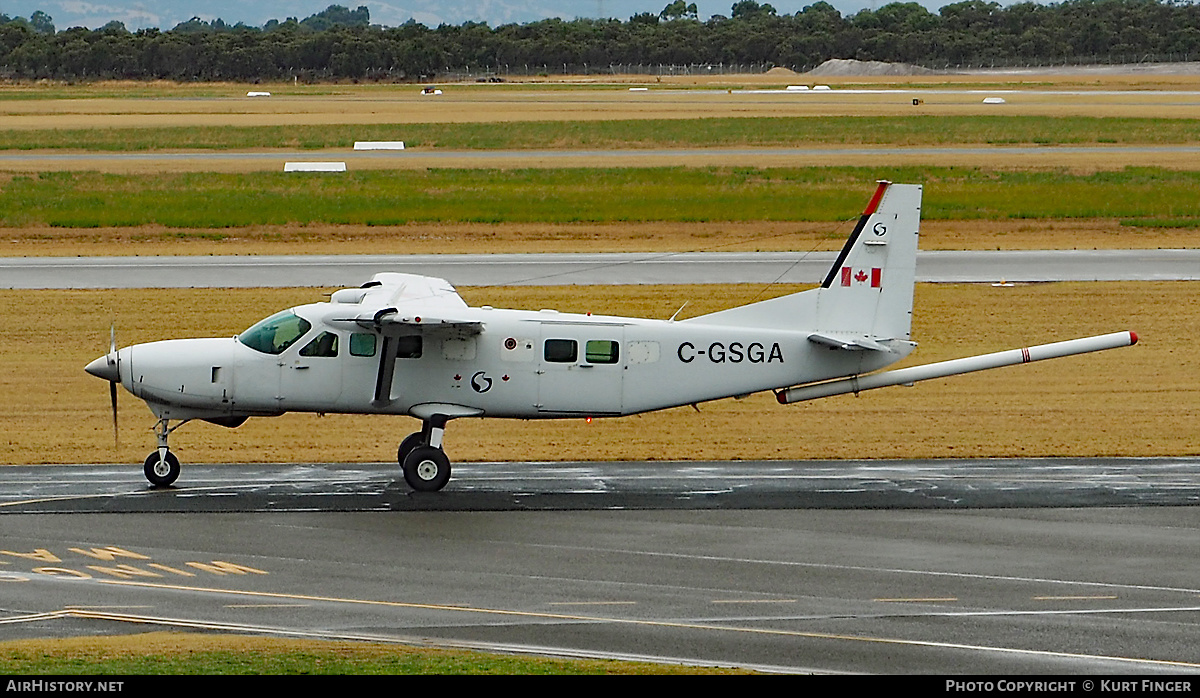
x=165, y=14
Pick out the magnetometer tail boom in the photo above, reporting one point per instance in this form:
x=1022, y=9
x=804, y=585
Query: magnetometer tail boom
x=955, y=367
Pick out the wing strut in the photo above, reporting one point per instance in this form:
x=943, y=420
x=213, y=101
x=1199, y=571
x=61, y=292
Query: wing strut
x=387, y=368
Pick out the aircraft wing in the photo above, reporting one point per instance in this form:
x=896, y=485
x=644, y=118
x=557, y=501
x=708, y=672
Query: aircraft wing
x=393, y=289
x=390, y=321
x=404, y=304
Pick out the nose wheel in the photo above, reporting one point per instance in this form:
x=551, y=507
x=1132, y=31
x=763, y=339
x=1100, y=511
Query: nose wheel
x=162, y=469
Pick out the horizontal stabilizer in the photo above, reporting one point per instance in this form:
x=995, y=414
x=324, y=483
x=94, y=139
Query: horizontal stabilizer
x=846, y=343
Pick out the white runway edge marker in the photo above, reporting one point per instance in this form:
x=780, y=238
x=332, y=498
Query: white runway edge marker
x=258, y=94
x=314, y=167
x=379, y=145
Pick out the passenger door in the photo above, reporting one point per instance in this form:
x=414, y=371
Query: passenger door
x=581, y=369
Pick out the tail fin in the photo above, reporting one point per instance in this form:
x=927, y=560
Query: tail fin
x=869, y=289
x=867, y=297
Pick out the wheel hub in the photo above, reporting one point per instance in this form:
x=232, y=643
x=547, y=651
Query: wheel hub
x=427, y=470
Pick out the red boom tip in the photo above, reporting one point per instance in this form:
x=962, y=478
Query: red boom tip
x=1132, y=337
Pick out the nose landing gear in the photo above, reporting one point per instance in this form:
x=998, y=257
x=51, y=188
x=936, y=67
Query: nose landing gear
x=162, y=467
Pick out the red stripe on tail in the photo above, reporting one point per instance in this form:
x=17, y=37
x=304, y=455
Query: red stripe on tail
x=883, y=185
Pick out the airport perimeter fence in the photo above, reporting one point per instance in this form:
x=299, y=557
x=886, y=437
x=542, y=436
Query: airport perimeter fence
x=503, y=71
x=660, y=70
x=1097, y=60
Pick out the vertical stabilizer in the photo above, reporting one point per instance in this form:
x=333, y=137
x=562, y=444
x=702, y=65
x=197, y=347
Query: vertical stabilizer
x=867, y=297
x=869, y=289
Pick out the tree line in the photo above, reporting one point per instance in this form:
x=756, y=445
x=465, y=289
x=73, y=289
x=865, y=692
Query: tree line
x=342, y=44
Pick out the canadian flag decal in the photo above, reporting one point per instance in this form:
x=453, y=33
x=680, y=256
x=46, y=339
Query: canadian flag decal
x=851, y=277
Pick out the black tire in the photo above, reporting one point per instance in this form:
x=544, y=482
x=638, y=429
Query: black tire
x=426, y=469
x=407, y=445
x=164, y=473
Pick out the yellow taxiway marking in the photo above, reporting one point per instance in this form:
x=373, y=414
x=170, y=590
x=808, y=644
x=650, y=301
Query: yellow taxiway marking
x=72, y=497
x=595, y=619
x=592, y=603
x=100, y=608
x=920, y=600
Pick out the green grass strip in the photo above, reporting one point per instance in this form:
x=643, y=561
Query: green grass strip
x=20, y=659
x=218, y=200
x=648, y=133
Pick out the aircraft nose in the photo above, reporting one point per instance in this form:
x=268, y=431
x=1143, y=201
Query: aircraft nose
x=101, y=368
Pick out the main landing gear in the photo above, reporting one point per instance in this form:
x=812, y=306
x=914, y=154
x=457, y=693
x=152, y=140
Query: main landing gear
x=425, y=465
x=162, y=467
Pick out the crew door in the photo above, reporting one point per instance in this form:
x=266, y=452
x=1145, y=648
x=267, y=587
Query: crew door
x=311, y=377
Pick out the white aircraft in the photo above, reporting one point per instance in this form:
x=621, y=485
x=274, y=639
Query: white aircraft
x=408, y=345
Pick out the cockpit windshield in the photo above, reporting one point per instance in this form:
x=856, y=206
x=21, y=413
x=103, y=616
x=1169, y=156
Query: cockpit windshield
x=276, y=333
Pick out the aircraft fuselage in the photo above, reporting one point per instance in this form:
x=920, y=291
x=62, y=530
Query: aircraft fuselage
x=524, y=364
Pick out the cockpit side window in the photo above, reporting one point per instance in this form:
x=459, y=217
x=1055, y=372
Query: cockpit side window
x=325, y=344
x=276, y=333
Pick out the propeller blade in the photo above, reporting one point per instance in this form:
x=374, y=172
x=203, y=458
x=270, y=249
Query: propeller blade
x=114, y=359
x=112, y=394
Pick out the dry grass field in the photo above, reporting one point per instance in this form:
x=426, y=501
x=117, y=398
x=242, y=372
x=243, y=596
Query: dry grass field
x=130, y=105
x=1143, y=400
x=133, y=106
x=472, y=238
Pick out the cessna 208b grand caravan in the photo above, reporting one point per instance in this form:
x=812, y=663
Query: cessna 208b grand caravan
x=408, y=345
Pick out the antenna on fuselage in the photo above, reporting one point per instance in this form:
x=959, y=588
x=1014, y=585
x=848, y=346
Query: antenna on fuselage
x=677, y=312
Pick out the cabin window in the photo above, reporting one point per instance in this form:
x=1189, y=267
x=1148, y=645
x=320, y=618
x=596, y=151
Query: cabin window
x=561, y=351
x=408, y=347
x=602, y=351
x=276, y=333
x=324, y=344
x=362, y=344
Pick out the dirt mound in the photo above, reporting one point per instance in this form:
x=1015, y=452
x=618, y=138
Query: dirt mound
x=849, y=66
x=781, y=71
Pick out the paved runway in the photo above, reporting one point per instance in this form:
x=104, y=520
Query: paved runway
x=901, y=484
x=663, y=561
x=554, y=269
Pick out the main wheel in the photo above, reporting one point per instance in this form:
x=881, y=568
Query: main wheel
x=426, y=469
x=407, y=445
x=161, y=472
